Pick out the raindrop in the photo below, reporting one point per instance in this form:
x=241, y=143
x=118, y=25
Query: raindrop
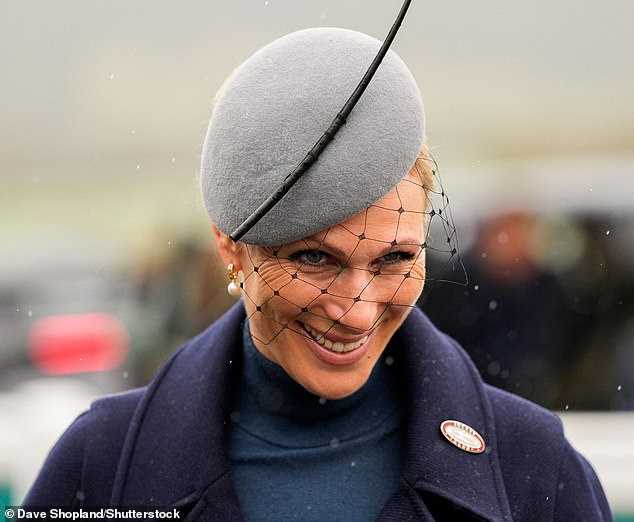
x=493, y=304
x=169, y=243
x=334, y=442
x=173, y=159
x=17, y=309
x=619, y=388
x=112, y=76
x=607, y=232
x=138, y=167
x=266, y=3
x=322, y=401
x=30, y=313
x=476, y=287
x=322, y=17
x=493, y=368
x=567, y=407
x=389, y=360
x=484, y=255
x=132, y=132
x=125, y=375
x=353, y=464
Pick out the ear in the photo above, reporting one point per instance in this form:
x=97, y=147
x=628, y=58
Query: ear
x=228, y=248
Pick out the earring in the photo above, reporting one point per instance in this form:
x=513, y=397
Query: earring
x=233, y=288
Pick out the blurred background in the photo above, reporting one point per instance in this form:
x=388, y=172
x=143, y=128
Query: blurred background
x=106, y=258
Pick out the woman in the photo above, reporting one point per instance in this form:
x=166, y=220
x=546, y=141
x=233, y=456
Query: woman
x=324, y=394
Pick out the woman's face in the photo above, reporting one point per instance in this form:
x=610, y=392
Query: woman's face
x=325, y=307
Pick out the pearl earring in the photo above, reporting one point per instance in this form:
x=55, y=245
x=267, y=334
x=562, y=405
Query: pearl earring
x=233, y=288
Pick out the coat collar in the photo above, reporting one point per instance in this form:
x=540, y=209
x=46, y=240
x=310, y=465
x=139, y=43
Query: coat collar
x=443, y=384
x=174, y=436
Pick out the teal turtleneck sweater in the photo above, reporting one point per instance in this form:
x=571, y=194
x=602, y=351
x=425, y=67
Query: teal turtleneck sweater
x=295, y=456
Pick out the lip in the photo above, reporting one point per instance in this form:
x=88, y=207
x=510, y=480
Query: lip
x=338, y=359
x=336, y=338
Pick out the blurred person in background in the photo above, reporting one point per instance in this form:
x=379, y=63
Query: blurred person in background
x=538, y=314
x=513, y=318
x=180, y=292
x=324, y=394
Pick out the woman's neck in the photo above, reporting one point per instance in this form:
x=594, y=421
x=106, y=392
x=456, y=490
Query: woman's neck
x=272, y=405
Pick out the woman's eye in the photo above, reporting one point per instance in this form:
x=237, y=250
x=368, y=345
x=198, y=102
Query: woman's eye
x=314, y=256
x=396, y=257
x=311, y=257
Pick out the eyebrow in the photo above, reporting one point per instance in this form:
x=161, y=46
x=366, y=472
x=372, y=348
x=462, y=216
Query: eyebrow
x=407, y=241
x=307, y=242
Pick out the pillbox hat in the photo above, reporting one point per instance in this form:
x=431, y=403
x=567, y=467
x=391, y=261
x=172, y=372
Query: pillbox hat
x=278, y=104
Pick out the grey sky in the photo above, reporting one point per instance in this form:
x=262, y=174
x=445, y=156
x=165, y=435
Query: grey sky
x=95, y=79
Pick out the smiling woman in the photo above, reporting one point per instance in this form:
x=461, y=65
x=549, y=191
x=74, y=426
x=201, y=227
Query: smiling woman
x=324, y=394
x=324, y=307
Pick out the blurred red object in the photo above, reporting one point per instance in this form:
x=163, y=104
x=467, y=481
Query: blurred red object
x=78, y=343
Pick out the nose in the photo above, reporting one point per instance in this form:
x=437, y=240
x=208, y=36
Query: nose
x=351, y=301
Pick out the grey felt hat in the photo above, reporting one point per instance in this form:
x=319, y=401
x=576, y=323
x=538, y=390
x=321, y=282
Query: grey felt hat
x=274, y=109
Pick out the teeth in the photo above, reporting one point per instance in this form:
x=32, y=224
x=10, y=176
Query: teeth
x=338, y=347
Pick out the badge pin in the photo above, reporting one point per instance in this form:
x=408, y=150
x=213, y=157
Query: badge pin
x=462, y=436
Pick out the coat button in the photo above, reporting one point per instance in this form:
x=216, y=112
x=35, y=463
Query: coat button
x=462, y=436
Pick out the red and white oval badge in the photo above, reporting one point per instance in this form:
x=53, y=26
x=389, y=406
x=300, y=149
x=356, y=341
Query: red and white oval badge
x=462, y=436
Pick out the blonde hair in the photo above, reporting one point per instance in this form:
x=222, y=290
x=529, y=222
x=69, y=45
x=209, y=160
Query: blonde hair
x=425, y=167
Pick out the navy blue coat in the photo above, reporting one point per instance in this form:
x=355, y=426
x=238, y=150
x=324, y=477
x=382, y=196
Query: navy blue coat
x=164, y=445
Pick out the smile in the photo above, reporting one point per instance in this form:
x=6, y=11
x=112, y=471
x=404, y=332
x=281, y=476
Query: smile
x=336, y=346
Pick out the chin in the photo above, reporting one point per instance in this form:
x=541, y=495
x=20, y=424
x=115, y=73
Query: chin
x=338, y=387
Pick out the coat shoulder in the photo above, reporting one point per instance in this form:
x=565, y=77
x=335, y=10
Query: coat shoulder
x=539, y=466
x=530, y=443
x=81, y=467
x=524, y=422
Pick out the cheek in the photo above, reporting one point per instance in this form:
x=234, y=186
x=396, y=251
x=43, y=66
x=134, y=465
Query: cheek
x=265, y=278
x=398, y=287
x=418, y=271
x=270, y=274
x=411, y=287
x=274, y=290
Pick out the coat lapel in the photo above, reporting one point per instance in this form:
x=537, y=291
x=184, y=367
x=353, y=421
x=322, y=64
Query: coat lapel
x=174, y=453
x=444, y=385
x=177, y=435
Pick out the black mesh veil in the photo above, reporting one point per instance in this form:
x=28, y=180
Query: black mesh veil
x=375, y=259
